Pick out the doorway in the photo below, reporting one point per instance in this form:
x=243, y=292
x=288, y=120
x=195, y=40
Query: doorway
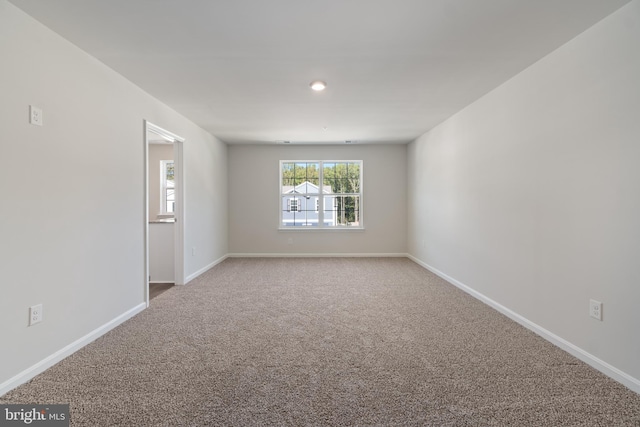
x=164, y=208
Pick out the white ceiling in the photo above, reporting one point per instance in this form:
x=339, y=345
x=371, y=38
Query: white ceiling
x=395, y=68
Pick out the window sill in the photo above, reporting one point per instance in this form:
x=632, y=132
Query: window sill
x=317, y=230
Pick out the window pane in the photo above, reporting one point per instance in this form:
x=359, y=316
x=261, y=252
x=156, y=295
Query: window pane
x=313, y=171
x=167, y=186
x=307, y=187
x=302, y=176
x=287, y=185
x=329, y=175
x=342, y=211
x=342, y=186
x=299, y=211
x=353, y=177
x=342, y=177
x=170, y=171
x=296, y=177
x=287, y=170
x=170, y=199
x=301, y=171
x=313, y=186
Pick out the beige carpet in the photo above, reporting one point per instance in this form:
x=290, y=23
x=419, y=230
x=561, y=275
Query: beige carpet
x=313, y=342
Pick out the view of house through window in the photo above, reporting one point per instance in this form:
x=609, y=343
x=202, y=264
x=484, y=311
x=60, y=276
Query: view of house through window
x=167, y=187
x=321, y=193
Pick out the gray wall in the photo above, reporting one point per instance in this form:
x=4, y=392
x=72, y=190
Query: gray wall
x=254, y=180
x=73, y=195
x=531, y=195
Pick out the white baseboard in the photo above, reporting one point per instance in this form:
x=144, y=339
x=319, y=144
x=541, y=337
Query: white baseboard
x=317, y=255
x=56, y=357
x=602, y=366
x=204, y=269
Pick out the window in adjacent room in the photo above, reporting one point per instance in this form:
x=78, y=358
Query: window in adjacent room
x=167, y=187
x=320, y=194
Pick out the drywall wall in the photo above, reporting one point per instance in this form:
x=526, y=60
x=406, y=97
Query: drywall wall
x=72, y=228
x=254, y=201
x=531, y=195
x=205, y=176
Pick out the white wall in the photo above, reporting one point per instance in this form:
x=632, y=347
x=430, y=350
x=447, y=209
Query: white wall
x=72, y=210
x=531, y=195
x=254, y=180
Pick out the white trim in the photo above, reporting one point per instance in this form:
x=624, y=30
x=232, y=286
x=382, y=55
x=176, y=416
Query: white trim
x=317, y=255
x=331, y=229
x=602, y=366
x=66, y=351
x=204, y=269
x=145, y=209
x=170, y=137
x=179, y=212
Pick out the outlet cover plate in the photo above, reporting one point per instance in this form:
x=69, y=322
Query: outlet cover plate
x=35, y=314
x=595, y=309
x=35, y=115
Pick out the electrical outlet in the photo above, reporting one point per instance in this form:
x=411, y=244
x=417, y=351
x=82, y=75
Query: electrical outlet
x=595, y=309
x=35, y=314
x=35, y=115
x=289, y=241
x=193, y=251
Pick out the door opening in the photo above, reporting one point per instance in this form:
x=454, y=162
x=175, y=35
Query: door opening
x=164, y=209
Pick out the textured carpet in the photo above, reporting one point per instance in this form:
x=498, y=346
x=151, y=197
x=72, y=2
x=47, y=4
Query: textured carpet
x=326, y=342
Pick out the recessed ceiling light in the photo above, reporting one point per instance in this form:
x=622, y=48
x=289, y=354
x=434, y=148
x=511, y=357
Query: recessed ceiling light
x=318, y=85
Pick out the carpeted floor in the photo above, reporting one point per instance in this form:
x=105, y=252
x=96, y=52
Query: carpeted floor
x=313, y=342
x=156, y=289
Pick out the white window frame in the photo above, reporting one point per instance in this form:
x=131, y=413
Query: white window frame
x=321, y=199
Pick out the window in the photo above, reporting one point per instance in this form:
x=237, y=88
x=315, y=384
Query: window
x=321, y=194
x=167, y=187
x=293, y=205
